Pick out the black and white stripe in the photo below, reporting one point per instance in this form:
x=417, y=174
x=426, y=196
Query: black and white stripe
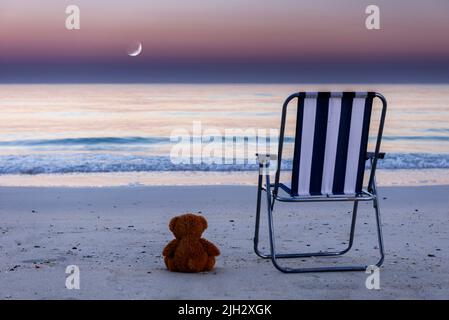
x=330, y=144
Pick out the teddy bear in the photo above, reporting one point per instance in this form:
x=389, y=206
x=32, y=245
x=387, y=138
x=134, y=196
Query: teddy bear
x=189, y=252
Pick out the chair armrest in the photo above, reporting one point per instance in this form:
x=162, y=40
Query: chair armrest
x=370, y=155
x=264, y=159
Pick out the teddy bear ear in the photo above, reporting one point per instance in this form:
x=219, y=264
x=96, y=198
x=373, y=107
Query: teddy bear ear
x=204, y=222
x=172, y=223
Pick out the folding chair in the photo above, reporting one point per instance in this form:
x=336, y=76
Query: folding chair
x=330, y=155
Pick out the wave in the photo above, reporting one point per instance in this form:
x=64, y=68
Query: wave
x=414, y=161
x=85, y=141
x=123, y=141
x=97, y=163
x=416, y=138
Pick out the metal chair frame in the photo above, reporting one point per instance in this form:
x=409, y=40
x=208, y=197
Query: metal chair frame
x=272, y=195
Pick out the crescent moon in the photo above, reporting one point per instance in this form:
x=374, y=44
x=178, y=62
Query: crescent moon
x=136, y=52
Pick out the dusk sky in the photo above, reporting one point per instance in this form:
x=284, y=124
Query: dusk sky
x=225, y=40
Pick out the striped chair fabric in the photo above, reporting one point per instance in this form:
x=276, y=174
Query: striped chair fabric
x=331, y=143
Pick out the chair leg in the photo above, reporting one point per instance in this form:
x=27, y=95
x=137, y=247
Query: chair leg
x=379, y=232
x=351, y=233
x=300, y=255
x=257, y=227
x=273, y=256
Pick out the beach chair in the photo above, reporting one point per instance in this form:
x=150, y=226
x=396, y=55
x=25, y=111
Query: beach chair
x=329, y=159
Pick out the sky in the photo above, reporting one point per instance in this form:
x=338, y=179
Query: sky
x=224, y=41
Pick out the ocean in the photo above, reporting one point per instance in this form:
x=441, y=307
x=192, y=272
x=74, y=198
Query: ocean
x=72, y=130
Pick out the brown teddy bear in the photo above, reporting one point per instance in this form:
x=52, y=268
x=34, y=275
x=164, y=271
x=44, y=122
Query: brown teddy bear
x=189, y=252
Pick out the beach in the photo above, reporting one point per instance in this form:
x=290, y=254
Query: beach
x=89, y=177
x=115, y=235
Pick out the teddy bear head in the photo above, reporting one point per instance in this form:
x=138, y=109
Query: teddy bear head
x=188, y=225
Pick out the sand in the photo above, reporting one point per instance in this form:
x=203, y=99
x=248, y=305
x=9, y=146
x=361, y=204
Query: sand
x=115, y=236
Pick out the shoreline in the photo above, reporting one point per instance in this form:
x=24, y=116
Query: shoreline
x=385, y=178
